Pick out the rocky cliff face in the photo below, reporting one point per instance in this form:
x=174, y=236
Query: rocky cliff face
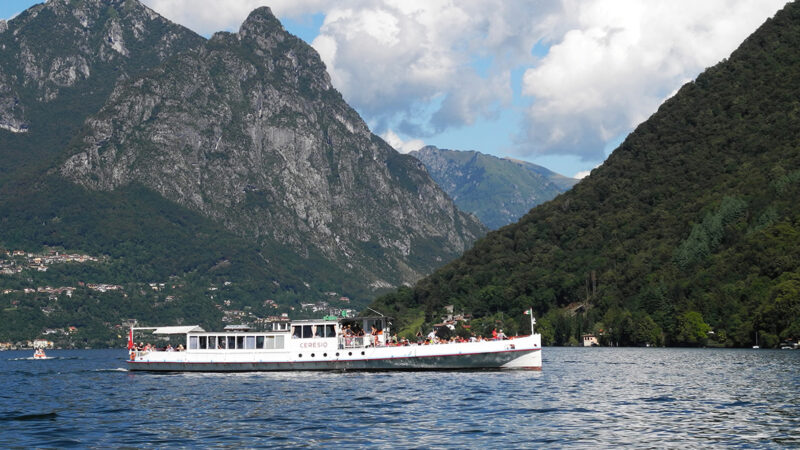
x=64, y=46
x=248, y=130
x=497, y=190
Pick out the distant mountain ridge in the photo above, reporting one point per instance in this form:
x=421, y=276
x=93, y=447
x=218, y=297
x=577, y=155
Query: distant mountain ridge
x=688, y=234
x=497, y=190
x=564, y=182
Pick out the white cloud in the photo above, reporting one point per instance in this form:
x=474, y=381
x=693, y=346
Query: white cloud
x=422, y=67
x=412, y=64
x=399, y=144
x=620, y=59
x=403, y=63
x=582, y=174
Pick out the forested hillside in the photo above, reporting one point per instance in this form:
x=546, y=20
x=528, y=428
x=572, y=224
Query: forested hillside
x=689, y=234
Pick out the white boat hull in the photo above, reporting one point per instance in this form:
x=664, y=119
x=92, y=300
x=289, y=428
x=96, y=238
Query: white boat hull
x=520, y=353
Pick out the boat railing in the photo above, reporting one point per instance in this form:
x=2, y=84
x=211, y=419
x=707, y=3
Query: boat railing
x=351, y=341
x=361, y=341
x=138, y=353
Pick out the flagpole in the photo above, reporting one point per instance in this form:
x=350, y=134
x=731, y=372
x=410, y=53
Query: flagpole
x=533, y=320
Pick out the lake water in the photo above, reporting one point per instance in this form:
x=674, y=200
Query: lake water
x=593, y=397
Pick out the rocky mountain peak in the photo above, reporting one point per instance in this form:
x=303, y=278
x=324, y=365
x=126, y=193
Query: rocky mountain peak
x=286, y=57
x=261, y=23
x=61, y=60
x=428, y=149
x=92, y=12
x=221, y=37
x=248, y=131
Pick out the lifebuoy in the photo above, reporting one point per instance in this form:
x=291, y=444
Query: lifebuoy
x=133, y=356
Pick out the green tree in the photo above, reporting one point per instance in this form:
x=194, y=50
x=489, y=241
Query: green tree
x=692, y=330
x=546, y=329
x=645, y=331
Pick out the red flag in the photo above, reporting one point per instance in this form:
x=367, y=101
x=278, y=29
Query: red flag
x=130, y=340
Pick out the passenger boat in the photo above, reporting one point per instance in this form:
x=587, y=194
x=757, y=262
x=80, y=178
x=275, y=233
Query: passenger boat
x=327, y=345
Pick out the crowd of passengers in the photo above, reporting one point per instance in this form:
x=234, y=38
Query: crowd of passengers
x=350, y=333
x=142, y=347
x=431, y=338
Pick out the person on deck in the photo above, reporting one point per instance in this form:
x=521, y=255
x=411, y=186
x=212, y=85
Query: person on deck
x=432, y=336
x=374, y=332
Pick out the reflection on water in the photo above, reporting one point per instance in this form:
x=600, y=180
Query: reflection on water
x=583, y=397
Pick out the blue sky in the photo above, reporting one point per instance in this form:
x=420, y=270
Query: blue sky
x=556, y=82
x=9, y=8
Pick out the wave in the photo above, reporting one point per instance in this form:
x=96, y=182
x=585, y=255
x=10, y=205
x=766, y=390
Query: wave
x=27, y=417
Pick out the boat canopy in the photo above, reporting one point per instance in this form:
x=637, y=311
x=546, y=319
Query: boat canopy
x=179, y=330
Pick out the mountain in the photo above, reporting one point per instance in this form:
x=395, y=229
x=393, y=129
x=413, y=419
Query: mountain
x=690, y=227
x=60, y=60
x=497, y=190
x=248, y=131
x=228, y=170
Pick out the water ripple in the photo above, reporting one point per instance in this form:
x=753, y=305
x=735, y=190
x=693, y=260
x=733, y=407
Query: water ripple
x=598, y=397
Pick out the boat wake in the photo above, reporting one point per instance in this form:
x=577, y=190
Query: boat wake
x=31, y=358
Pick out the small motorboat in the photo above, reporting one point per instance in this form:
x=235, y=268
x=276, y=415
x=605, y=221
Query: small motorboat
x=39, y=354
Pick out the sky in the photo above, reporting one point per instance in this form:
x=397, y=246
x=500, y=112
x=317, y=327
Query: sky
x=559, y=83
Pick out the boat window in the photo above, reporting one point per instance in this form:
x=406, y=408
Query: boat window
x=203, y=342
x=279, y=341
x=221, y=342
x=307, y=331
x=250, y=342
x=240, y=342
x=270, y=342
x=377, y=323
x=259, y=341
x=318, y=330
x=193, y=342
x=297, y=332
x=330, y=331
x=212, y=342
x=231, y=342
